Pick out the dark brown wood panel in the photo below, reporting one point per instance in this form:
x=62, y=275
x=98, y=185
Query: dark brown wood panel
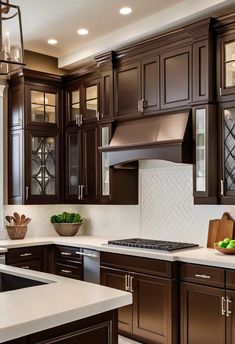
x=115, y=278
x=200, y=71
x=32, y=265
x=230, y=319
x=16, y=107
x=67, y=252
x=230, y=279
x=71, y=271
x=152, y=309
x=201, y=318
x=106, y=98
x=138, y=264
x=127, y=91
x=150, y=85
x=176, y=78
x=16, y=167
x=202, y=274
x=20, y=255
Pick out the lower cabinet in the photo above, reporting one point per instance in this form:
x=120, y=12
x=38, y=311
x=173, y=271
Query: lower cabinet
x=26, y=258
x=207, y=305
x=68, y=262
x=150, y=318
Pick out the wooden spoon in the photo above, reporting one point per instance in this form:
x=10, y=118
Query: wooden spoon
x=10, y=219
x=22, y=219
x=26, y=221
x=17, y=218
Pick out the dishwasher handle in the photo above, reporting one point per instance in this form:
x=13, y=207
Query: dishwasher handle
x=91, y=255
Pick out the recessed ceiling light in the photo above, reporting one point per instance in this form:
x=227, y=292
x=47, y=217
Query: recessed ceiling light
x=82, y=32
x=125, y=10
x=52, y=41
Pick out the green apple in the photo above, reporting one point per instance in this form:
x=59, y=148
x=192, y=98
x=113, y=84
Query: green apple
x=231, y=245
x=221, y=244
x=226, y=241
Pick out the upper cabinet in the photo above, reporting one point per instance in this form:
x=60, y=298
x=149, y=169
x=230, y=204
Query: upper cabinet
x=176, y=78
x=226, y=67
x=83, y=102
x=34, y=152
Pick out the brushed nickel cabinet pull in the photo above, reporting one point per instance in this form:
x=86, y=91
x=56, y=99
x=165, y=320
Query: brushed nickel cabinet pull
x=26, y=193
x=202, y=276
x=220, y=91
x=82, y=191
x=228, y=311
x=66, y=271
x=223, y=311
x=25, y=254
x=222, y=187
x=66, y=253
x=131, y=283
x=127, y=288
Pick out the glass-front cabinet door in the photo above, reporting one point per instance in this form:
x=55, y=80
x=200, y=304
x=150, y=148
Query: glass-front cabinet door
x=73, y=164
x=105, y=133
x=226, y=66
x=74, y=107
x=43, y=164
x=227, y=182
x=91, y=101
x=42, y=107
x=205, y=154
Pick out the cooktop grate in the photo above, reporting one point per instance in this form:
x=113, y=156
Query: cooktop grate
x=152, y=244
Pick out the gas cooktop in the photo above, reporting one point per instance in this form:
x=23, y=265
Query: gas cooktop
x=152, y=244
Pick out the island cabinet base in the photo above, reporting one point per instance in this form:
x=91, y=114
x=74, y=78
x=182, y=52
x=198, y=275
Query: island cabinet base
x=98, y=329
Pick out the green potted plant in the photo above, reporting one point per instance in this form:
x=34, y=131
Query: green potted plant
x=66, y=224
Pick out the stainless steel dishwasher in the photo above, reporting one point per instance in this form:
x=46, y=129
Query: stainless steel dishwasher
x=91, y=265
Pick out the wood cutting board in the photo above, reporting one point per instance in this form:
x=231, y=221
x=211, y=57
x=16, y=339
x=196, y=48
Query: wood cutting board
x=220, y=229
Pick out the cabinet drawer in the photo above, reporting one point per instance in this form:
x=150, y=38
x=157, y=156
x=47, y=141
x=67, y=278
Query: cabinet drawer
x=139, y=264
x=32, y=265
x=201, y=274
x=66, y=252
x=69, y=270
x=230, y=279
x=18, y=255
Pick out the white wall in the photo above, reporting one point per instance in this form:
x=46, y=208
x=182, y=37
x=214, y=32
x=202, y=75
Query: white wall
x=166, y=209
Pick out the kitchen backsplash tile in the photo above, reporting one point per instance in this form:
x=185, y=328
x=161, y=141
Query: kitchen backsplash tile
x=166, y=209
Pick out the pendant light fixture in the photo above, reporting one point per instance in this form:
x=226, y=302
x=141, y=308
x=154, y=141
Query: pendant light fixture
x=11, y=38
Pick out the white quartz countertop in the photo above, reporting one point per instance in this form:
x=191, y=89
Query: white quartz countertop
x=200, y=255
x=62, y=300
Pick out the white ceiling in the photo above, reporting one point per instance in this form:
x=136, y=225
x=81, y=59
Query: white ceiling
x=60, y=19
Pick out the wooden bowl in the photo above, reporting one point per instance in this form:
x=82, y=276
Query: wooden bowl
x=223, y=250
x=16, y=232
x=67, y=229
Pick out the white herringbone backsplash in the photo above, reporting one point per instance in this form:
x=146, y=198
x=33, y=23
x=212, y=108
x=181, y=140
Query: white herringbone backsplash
x=165, y=210
x=168, y=212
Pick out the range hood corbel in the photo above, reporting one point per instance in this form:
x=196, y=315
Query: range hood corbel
x=165, y=137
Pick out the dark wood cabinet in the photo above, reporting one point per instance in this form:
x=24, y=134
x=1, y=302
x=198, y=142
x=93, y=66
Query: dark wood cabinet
x=207, y=305
x=128, y=91
x=82, y=159
x=226, y=66
x=83, y=101
x=99, y=329
x=32, y=257
x=34, y=138
x=149, y=319
x=67, y=262
x=176, y=78
x=201, y=315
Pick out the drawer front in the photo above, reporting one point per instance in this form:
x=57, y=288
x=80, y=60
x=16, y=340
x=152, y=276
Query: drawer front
x=138, y=264
x=66, y=252
x=18, y=255
x=69, y=270
x=201, y=274
x=230, y=279
x=32, y=265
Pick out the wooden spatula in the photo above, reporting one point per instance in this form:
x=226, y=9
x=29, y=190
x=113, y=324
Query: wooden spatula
x=220, y=229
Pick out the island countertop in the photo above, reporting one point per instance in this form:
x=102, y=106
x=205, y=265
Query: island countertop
x=60, y=301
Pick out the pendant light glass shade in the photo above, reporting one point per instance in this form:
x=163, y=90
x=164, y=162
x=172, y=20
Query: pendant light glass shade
x=11, y=39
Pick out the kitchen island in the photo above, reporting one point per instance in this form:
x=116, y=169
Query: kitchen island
x=59, y=311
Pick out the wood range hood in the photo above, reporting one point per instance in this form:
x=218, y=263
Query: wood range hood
x=165, y=137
